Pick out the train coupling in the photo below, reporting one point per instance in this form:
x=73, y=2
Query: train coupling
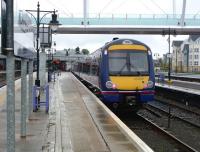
x=131, y=100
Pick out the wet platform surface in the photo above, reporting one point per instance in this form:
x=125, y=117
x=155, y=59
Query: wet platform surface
x=36, y=125
x=87, y=124
x=77, y=122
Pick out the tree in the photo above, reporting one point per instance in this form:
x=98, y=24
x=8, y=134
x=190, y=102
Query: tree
x=85, y=51
x=67, y=51
x=77, y=50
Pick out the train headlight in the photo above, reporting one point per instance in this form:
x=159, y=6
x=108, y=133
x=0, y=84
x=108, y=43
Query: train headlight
x=109, y=85
x=105, y=52
x=149, y=84
x=114, y=86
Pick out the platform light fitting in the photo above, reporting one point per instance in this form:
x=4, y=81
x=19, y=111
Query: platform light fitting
x=54, y=23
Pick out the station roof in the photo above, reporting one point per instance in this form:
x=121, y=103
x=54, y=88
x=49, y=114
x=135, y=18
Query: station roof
x=177, y=43
x=194, y=37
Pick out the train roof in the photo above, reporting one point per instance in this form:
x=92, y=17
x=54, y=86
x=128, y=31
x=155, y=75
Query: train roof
x=118, y=41
x=122, y=41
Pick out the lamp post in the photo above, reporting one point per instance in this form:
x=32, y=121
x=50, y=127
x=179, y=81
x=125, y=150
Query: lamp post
x=53, y=51
x=53, y=24
x=169, y=64
x=49, y=65
x=176, y=61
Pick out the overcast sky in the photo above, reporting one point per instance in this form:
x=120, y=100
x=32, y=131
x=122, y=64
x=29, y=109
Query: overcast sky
x=66, y=8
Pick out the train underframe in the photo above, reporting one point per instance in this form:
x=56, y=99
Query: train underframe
x=134, y=101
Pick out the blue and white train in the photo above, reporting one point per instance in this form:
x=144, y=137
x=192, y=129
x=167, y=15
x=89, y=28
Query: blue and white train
x=121, y=73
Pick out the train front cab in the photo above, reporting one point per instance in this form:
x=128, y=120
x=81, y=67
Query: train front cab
x=129, y=76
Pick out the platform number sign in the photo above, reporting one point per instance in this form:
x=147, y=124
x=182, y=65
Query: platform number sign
x=3, y=26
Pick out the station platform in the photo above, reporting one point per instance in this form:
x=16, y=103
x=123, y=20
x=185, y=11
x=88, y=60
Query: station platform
x=36, y=125
x=77, y=122
x=188, y=87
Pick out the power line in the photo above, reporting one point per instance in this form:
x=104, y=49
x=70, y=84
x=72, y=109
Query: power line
x=158, y=6
x=105, y=6
x=63, y=10
x=146, y=6
x=197, y=13
x=120, y=5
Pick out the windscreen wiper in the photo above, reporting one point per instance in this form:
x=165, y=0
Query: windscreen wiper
x=134, y=67
x=120, y=71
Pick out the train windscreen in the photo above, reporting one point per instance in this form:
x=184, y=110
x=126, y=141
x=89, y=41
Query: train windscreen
x=128, y=62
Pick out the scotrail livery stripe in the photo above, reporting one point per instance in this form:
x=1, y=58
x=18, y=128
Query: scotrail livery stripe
x=127, y=47
x=146, y=92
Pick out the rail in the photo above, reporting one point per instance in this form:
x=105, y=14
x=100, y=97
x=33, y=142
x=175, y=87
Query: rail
x=186, y=146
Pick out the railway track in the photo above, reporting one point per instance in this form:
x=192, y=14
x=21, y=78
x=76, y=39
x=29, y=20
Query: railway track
x=156, y=137
x=3, y=77
x=188, y=116
x=179, y=142
x=179, y=127
x=175, y=104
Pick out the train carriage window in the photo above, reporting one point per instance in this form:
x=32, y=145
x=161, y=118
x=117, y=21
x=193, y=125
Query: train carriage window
x=94, y=70
x=86, y=68
x=79, y=67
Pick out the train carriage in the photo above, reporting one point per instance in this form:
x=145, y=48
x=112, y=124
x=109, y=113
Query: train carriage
x=121, y=72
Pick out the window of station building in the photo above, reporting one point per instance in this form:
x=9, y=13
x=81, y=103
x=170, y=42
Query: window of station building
x=196, y=63
x=196, y=50
x=196, y=56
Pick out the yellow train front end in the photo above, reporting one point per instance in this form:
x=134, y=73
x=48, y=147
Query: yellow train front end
x=130, y=76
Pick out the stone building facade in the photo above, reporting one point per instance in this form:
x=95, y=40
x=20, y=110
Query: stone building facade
x=186, y=55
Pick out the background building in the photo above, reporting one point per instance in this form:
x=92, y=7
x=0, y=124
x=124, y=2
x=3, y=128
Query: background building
x=177, y=56
x=186, y=55
x=194, y=56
